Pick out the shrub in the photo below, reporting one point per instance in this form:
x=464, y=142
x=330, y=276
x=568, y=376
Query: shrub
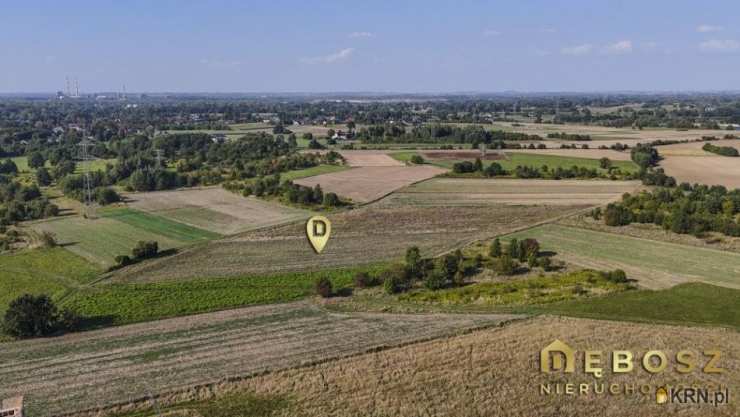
x=324, y=287
x=417, y=159
x=123, y=260
x=617, y=276
x=144, y=250
x=514, y=249
x=365, y=280
x=617, y=215
x=505, y=265
x=395, y=279
x=331, y=200
x=48, y=240
x=436, y=280
x=495, y=250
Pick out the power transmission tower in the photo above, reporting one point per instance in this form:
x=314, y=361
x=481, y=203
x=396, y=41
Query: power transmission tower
x=88, y=196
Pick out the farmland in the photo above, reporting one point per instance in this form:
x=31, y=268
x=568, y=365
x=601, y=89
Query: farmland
x=310, y=172
x=54, y=272
x=107, y=366
x=654, y=264
x=487, y=372
x=474, y=191
x=214, y=209
x=365, y=184
x=514, y=159
x=116, y=232
x=362, y=236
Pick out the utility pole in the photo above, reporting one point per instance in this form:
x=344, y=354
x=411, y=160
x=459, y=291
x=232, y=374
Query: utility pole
x=89, y=201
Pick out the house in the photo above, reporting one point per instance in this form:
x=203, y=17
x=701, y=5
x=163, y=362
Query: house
x=12, y=407
x=218, y=138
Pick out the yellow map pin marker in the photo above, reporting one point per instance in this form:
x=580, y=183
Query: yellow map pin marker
x=318, y=230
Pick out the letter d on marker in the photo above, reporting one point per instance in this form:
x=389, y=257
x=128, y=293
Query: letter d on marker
x=318, y=230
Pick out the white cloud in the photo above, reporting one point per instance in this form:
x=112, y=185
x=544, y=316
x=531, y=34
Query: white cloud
x=618, y=48
x=577, y=50
x=361, y=35
x=709, y=28
x=490, y=32
x=718, y=45
x=339, y=56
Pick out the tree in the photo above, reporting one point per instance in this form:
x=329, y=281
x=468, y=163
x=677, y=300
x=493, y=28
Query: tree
x=605, y=163
x=617, y=215
x=31, y=316
x=514, y=249
x=42, y=177
x=495, y=250
x=144, y=250
x=477, y=165
x=414, y=262
x=324, y=287
x=417, y=159
x=105, y=196
x=395, y=279
x=436, y=280
x=36, y=160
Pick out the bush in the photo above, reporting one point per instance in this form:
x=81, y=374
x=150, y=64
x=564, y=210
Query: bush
x=123, y=260
x=617, y=215
x=324, y=287
x=505, y=265
x=417, y=159
x=436, y=280
x=34, y=316
x=331, y=200
x=144, y=250
x=617, y=276
x=414, y=264
x=48, y=240
x=105, y=196
x=395, y=279
x=495, y=250
x=365, y=280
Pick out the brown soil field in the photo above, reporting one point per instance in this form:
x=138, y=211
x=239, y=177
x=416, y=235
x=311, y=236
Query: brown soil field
x=457, y=155
x=695, y=148
x=98, y=368
x=369, y=159
x=365, y=184
x=578, y=153
x=214, y=209
x=362, y=236
x=495, y=372
x=476, y=192
x=710, y=170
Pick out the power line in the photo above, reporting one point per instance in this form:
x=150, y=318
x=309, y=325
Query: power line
x=89, y=201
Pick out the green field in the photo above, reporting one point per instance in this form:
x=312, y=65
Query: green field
x=159, y=225
x=534, y=160
x=310, y=172
x=242, y=404
x=54, y=272
x=655, y=264
x=685, y=304
x=115, y=232
x=128, y=303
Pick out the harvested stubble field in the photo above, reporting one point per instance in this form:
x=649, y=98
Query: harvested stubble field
x=493, y=372
x=215, y=209
x=363, y=236
x=711, y=170
x=369, y=183
x=695, y=148
x=98, y=368
x=475, y=192
x=653, y=264
x=369, y=158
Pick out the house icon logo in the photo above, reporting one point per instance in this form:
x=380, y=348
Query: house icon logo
x=557, y=356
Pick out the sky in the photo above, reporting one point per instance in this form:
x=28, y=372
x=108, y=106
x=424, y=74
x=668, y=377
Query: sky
x=370, y=46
